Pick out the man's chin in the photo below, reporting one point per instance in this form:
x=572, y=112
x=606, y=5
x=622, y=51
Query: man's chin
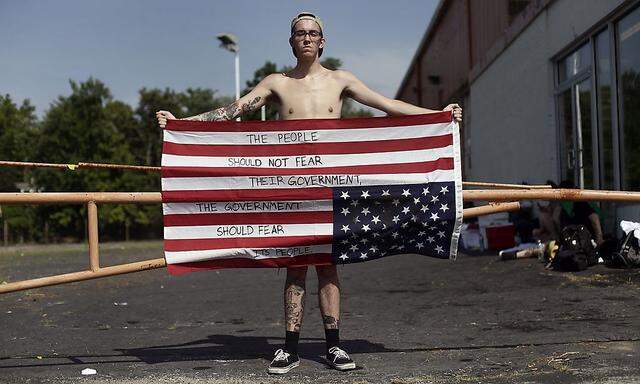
x=308, y=54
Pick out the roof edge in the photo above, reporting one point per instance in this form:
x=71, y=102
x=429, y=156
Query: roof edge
x=437, y=14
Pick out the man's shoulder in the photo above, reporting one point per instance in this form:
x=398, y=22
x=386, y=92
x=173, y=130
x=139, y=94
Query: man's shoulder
x=342, y=74
x=273, y=78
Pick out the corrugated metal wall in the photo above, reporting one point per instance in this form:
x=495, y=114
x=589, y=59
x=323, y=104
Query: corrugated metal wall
x=464, y=32
x=489, y=19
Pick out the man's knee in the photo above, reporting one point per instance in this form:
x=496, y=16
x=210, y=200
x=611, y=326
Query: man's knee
x=327, y=272
x=296, y=275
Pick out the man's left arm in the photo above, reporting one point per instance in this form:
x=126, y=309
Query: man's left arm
x=358, y=91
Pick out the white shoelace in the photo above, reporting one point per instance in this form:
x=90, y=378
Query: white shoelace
x=281, y=355
x=338, y=353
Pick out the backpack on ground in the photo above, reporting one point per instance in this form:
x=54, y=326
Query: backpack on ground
x=628, y=255
x=577, y=250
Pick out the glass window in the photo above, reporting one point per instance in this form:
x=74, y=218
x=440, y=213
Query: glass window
x=575, y=63
x=603, y=79
x=628, y=37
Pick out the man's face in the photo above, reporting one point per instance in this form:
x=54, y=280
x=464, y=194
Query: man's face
x=306, y=39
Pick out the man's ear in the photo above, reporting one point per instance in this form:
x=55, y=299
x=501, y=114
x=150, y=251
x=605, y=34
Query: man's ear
x=293, y=49
x=321, y=43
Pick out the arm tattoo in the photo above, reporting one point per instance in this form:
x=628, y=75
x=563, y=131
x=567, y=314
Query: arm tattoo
x=229, y=112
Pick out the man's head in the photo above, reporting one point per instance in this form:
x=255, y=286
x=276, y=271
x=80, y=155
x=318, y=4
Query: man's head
x=307, y=38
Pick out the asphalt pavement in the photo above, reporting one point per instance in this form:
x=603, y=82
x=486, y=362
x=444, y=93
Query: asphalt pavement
x=405, y=319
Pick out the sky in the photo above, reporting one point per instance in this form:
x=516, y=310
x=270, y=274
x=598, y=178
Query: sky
x=130, y=44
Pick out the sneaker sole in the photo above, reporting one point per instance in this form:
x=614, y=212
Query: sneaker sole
x=341, y=367
x=280, y=371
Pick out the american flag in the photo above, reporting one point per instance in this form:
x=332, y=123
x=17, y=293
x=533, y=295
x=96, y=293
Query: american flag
x=309, y=192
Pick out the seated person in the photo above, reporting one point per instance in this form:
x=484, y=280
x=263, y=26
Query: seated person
x=579, y=212
x=555, y=215
x=548, y=219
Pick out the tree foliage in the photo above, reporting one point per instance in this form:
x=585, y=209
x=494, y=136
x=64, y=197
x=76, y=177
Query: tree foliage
x=89, y=125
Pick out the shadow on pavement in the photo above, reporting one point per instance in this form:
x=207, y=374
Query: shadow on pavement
x=229, y=347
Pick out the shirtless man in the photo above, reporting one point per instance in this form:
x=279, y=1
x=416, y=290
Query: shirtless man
x=310, y=91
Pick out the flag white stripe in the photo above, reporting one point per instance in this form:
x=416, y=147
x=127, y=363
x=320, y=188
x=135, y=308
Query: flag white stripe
x=248, y=253
x=223, y=207
x=308, y=161
x=246, y=231
x=301, y=181
x=318, y=136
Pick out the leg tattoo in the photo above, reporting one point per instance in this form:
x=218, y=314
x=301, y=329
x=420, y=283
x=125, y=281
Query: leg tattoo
x=329, y=296
x=294, y=300
x=330, y=322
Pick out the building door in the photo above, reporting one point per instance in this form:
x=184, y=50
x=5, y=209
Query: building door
x=577, y=131
x=583, y=144
x=576, y=115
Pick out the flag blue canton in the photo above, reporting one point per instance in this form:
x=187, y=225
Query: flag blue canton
x=378, y=221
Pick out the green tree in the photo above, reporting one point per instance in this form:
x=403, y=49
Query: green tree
x=86, y=126
x=18, y=130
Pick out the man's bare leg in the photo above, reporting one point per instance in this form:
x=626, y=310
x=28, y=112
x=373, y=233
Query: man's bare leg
x=294, y=288
x=294, y=291
x=329, y=299
x=329, y=295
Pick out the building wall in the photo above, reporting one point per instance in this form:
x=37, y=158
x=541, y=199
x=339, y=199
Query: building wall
x=488, y=19
x=512, y=136
x=445, y=56
x=409, y=92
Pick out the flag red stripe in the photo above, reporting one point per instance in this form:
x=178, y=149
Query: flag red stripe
x=444, y=163
x=309, y=124
x=285, y=194
x=279, y=262
x=248, y=218
x=374, y=146
x=244, y=242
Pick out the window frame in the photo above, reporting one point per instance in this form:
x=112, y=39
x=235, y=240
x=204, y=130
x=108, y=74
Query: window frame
x=609, y=24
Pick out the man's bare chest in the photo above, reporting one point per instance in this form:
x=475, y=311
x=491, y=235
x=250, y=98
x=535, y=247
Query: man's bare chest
x=300, y=98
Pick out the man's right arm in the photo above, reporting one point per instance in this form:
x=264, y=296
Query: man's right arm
x=247, y=103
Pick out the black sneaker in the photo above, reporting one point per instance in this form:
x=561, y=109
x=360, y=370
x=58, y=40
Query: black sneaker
x=338, y=359
x=283, y=362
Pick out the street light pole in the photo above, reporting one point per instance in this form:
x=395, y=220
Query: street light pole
x=229, y=42
x=237, y=76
